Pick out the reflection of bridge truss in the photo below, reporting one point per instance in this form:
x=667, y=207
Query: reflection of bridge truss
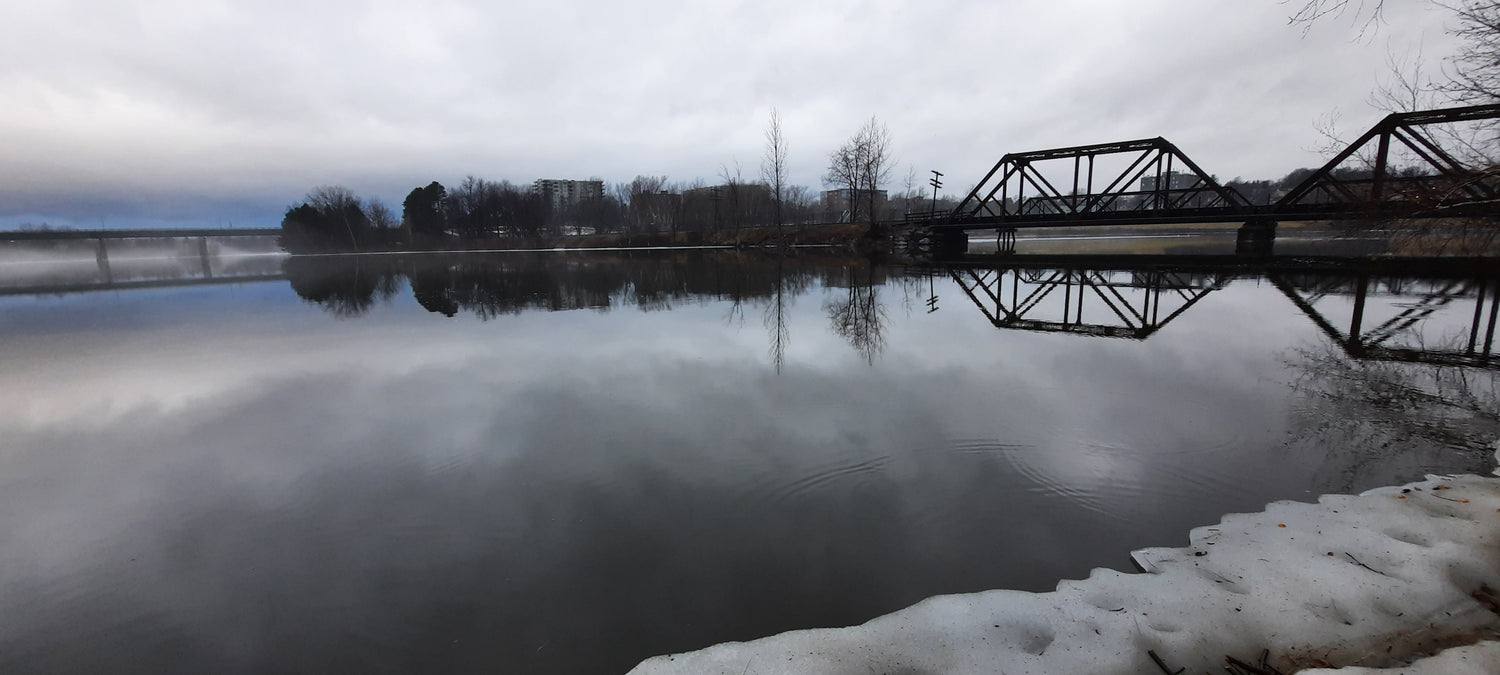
x=1134, y=299
x=1377, y=342
x=1121, y=303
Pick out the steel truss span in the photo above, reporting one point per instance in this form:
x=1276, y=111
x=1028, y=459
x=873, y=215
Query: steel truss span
x=1151, y=181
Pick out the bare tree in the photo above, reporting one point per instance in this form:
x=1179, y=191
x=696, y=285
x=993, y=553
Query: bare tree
x=650, y=205
x=860, y=166
x=339, y=203
x=733, y=192
x=380, y=215
x=773, y=166
x=875, y=165
x=844, y=165
x=1475, y=76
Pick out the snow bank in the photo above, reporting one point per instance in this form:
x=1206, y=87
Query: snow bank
x=1371, y=580
x=1477, y=659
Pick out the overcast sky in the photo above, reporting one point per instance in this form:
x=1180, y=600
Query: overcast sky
x=219, y=112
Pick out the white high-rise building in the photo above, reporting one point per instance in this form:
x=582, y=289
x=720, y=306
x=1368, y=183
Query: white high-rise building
x=561, y=192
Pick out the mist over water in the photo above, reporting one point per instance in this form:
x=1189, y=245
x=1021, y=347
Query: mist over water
x=566, y=463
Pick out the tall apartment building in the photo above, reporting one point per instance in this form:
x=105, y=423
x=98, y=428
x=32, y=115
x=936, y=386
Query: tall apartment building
x=562, y=192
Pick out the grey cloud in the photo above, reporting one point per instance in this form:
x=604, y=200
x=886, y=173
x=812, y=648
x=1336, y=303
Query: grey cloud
x=199, y=104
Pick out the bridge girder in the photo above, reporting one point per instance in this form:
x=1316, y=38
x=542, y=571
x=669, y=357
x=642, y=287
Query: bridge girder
x=1437, y=182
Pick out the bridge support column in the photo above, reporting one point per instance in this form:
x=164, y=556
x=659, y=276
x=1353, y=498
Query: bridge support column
x=203, y=257
x=949, y=243
x=1256, y=238
x=1005, y=240
x=101, y=256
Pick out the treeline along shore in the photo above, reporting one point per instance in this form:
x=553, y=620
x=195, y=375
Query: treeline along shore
x=484, y=215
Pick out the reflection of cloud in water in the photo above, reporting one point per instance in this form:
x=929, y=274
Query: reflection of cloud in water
x=328, y=519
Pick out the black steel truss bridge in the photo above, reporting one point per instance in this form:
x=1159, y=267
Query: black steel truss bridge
x=1151, y=181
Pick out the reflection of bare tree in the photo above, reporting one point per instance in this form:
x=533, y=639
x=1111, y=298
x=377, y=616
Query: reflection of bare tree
x=860, y=318
x=1362, y=414
x=775, y=319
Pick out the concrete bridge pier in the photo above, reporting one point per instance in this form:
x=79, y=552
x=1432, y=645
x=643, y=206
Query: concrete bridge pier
x=949, y=243
x=1257, y=237
x=203, y=257
x=1005, y=240
x=101, y=256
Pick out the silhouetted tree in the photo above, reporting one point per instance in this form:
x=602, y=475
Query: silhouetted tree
x=331, y=218
x=860, y=166
x=422, y=213
x=773, y=166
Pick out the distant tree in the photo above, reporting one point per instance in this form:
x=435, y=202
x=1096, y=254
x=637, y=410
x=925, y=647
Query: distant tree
x=860, y=166
x=330, y=218
x=875, y=166
x=380, y=215
x=522, y=212
x=423, y=211
x=649, y=208
x=340, y=207
x=733, y=194
x=773, y=166
x=799, y=204
x=472, y=208
x=844, y=165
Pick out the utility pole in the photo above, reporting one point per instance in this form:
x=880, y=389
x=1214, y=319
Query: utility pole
x=936, y=183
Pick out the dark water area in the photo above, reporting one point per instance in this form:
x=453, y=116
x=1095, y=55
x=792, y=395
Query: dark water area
x=568, y=462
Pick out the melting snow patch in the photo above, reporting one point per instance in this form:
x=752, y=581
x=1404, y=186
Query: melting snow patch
x=1374, y=580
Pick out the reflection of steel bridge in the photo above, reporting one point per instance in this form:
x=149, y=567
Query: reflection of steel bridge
x=1363, y=341
x=1134, y=297
x=1159, y=184
x=1131, y=301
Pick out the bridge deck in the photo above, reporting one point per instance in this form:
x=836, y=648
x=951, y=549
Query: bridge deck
x=158, y=233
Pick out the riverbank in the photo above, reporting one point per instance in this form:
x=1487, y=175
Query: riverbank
x=1375, y=580
x=854, y=236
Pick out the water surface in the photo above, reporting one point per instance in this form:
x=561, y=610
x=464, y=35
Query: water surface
x=567, y=462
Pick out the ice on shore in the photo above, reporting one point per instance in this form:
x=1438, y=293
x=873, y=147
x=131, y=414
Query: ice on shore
x=1373, y=580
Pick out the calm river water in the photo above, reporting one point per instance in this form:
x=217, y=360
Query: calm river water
x=565, y=463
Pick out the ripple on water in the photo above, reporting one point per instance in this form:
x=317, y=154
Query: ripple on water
x=1108, y=478
x=775, y=487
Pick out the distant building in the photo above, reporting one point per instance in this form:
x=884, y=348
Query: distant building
x=740, y=191
x=1175, y=180
x=561, y=192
